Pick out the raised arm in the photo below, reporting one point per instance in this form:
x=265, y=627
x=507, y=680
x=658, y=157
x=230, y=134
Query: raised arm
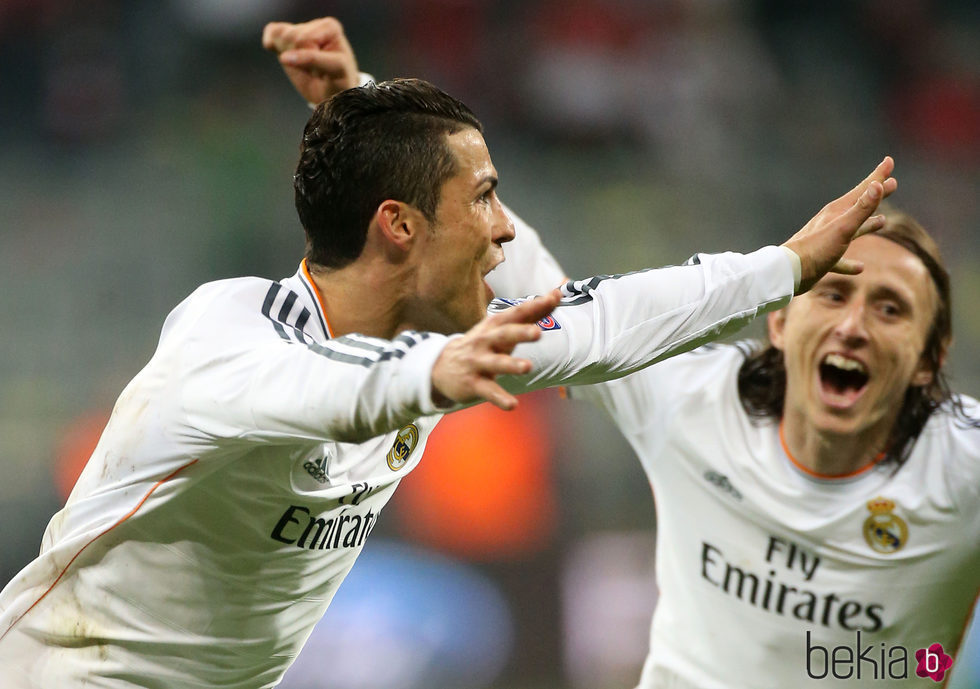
x=609, y=326
x=662, y=312
x=315, y=55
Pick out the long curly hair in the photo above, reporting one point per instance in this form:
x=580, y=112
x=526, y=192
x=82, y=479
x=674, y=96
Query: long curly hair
x=762, y=376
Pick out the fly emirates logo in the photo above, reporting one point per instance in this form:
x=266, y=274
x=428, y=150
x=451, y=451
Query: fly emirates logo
x=343, y=528
x=864, y=659
x=768, y=592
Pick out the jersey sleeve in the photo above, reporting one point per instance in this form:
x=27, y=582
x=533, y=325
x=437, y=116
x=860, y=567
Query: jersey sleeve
x=529, y=267
x=241, y=375
x=963, y=457
x=610, y=326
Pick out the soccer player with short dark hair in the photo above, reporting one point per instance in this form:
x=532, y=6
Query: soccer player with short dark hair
x=818, y=497
x=244, y=467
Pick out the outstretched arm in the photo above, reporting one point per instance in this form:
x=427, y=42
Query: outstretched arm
x=320, y=62
x=245, y=373
x=610, y=326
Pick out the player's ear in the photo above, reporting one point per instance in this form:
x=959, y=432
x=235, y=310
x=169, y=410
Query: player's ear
x=776, y=321
x=399, y=223
x=925, y=372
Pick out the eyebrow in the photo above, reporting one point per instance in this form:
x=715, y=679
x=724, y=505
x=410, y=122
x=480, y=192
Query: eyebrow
x=832, y=280
x=883, y=291
x=877, y=291
x=492, y=179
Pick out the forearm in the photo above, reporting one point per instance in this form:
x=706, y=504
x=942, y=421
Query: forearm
x=610, y=326
x=347, y=390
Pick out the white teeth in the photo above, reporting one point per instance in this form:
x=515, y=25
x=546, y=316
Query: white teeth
x=843, y=363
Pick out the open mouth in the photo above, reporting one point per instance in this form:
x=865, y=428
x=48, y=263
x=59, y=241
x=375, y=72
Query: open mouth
x=486, y=285
x=842, y=379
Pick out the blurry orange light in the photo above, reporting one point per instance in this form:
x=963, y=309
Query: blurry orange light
x=483, y=488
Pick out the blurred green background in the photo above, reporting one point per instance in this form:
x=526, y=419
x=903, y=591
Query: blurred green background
x=147, y=147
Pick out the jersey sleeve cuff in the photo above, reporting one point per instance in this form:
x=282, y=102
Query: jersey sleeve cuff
x=797, y=267
x=419, y=363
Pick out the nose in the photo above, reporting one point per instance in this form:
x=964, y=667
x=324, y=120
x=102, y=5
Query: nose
x=503, y=226
x=851, y=328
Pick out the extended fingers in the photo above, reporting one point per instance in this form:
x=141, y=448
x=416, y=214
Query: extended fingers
x=503, y=337
x=468, y=367
x=880, y=174
x=532, y=310
x=493, y=365
x=889, y=186
x=491, y=391
x=858, y=214
x=872, y=224
x=883, y=171
x=847, y=266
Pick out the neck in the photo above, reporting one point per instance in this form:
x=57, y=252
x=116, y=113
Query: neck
x=362, y=297
x=827, y=453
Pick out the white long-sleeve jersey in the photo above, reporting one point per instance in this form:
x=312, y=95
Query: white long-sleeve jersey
x=764, y=571
x=243, y=468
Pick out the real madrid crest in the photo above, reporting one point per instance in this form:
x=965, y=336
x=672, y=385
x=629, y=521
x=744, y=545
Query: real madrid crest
x=405, y=442
x=885, y=532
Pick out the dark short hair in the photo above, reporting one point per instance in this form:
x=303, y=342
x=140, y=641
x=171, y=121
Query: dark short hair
x=368, y=144
x=762, y=376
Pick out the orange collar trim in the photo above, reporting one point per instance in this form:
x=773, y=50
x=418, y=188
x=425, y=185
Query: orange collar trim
x=319, y=298
x=816, y=474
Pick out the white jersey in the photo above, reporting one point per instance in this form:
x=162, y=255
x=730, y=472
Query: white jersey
x=753, y=553
x=772, y=577
x=244, y=467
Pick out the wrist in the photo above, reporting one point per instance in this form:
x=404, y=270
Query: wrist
x=797, y=266
x=363, y=79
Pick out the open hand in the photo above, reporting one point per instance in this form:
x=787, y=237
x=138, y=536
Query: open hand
x=822, y=241
x=467, y=369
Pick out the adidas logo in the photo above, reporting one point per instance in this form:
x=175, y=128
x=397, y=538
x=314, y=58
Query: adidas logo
x=723, y=483
x=315, y=468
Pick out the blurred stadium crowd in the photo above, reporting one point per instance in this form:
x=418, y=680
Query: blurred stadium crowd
x=146, y=147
